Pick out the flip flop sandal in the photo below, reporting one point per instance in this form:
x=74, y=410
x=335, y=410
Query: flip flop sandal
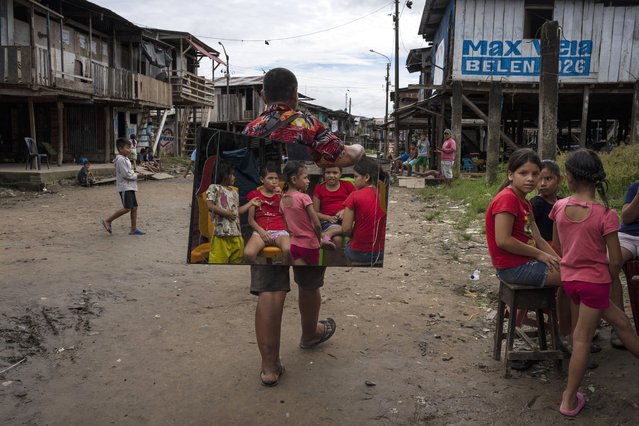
x=137, y=232
x=581, y=401
x=107, y=227
x=329, y=330
x=271, y=384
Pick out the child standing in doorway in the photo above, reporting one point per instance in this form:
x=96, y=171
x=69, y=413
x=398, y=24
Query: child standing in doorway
x=585, y=231
x=266, y=219
x=300, y=217
x=223, y=200
x=127, y=185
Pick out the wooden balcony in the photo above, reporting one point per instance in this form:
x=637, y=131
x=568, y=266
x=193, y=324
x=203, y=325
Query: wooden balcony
x=190, y=89
x=17, y=67
x=152, y=91
x=112, y=83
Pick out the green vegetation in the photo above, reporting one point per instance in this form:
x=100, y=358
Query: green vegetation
x=621, y=165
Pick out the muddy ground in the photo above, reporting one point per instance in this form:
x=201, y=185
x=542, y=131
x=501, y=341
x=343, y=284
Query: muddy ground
x=119, y=330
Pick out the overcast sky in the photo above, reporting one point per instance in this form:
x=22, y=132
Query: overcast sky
x=327, y=64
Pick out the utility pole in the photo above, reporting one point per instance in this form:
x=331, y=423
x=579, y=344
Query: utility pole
x=396, y=103
x=386, y=111
x=386, y=100
x=228, y=94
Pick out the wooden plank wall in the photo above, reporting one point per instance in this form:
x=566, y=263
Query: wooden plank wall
x=614, y=32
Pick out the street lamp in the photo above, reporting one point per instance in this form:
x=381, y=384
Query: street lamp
x=386, y=100
x=228, y=94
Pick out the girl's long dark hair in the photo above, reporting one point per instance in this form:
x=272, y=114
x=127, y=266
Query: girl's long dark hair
x=518, y=159
x=291, y=169
x=585, y=166
x=222, y=172
x=370, y=167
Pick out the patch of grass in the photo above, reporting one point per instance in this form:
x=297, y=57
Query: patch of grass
x=431, y=216
x=621, y=166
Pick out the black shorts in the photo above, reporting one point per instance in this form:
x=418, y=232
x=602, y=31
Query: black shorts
x=277, y=278
x=128, y=199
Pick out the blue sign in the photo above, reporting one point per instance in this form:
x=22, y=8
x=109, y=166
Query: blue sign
x=505, y=58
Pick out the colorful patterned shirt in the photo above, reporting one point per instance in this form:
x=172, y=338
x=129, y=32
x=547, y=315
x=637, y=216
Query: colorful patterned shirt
x=227, y=198
x=306, y=130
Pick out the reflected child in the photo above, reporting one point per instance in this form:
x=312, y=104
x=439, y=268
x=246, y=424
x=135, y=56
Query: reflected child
x=328, y=201
x=300, y=216
x=223, y=201
x=266, y=219
x=364, y=220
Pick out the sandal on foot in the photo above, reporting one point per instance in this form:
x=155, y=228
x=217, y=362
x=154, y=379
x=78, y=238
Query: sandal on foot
x=581, y=401
x=327, y=244
x=329, y=330
x=270, y=384
x=107, y=227
x=137, y=232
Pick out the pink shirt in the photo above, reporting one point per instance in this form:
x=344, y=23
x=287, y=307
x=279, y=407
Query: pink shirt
x=583, y=248
x=448, y=150
x=298, y=221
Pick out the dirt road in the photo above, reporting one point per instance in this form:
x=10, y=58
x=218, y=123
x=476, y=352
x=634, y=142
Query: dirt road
x=119, y=330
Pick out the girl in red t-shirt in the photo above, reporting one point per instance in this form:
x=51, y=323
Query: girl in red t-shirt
x=364, y=220
x=517, y=250
x=267, y=220
x=328, y=201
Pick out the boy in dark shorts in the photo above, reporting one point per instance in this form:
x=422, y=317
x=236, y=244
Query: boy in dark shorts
x=127, y=185
x=271, y=283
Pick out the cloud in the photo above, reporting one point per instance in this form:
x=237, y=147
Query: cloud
x=327, y=63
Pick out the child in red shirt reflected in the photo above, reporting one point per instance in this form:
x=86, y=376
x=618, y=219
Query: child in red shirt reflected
x=328, y=201
x=586, y=234
x=267, y=220
x=517, y=250
x=299, y=215
x=363, y=220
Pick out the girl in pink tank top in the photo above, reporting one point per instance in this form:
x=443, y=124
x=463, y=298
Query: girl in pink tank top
x=586, y=236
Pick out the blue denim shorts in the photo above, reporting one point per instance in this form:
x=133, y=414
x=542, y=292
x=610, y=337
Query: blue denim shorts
x=369, y=257
x=532, y=273
x=326, y=225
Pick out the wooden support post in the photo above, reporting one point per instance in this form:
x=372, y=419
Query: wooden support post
x=520, y=127
x=108, y=134
x=32, y=124
x=548, y=88
x=484, y=117
x=584, y=117
x=494, y=121
x=60, y=108
x=634, y=119
x=456, y=122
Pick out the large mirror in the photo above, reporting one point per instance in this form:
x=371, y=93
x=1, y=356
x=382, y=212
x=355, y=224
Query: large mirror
x=260, y=201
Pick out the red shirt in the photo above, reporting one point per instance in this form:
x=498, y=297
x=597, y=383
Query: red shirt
x=370, y=220
x=508, y=202
x=332, y=201
x=268, y=215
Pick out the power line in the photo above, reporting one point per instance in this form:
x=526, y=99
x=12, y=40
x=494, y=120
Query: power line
x=262, y=40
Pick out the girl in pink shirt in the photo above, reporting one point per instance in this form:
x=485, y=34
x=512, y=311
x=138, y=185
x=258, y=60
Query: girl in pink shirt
x=301, y=219
x=584, y=231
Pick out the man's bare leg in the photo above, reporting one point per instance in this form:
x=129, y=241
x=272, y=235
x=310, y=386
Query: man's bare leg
x=268, y=329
